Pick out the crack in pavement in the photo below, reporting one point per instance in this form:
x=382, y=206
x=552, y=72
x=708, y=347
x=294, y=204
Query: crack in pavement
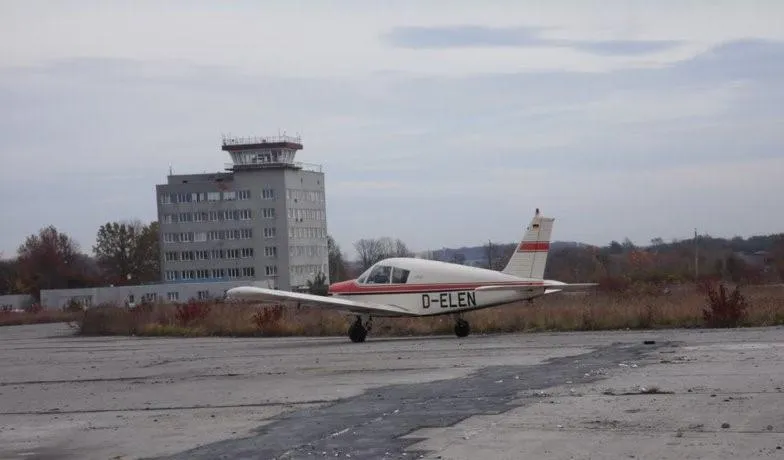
x=168, y=408
x=372, y=425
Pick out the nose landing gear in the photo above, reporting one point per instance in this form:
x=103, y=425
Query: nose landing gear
x=358, y=331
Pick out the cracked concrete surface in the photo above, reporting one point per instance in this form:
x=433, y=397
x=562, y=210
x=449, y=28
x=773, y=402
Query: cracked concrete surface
x=693, y=394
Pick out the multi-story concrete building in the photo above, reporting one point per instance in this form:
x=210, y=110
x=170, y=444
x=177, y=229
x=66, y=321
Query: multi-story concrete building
x=263, y=219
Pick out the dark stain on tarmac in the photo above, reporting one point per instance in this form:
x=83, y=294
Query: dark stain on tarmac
x=370, y=425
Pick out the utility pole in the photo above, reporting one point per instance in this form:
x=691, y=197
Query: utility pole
x=696, y=258
x=489, y=254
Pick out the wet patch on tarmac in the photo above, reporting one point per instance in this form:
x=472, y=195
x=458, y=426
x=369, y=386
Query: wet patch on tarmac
x=373, y=424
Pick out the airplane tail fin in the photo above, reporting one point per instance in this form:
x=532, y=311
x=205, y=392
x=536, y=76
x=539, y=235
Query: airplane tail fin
x=530, y=257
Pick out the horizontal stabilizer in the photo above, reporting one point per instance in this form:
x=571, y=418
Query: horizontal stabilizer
x=548, y=285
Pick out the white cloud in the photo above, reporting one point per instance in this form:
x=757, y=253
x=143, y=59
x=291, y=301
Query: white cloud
x=291, y=39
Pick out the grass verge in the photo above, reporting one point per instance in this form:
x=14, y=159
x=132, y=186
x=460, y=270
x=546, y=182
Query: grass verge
x=630, y=309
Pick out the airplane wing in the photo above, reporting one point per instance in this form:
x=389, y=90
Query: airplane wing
x=311, y=300
x=549, y=287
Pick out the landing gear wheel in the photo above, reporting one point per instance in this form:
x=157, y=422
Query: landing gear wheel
x=462, y=328
x=357, y=332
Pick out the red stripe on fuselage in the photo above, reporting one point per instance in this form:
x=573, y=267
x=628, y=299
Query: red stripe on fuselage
x=534, y=246
x=350, y=287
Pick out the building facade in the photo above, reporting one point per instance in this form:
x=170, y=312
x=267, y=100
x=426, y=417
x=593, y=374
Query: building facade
x=134, y=295
x=263, y=219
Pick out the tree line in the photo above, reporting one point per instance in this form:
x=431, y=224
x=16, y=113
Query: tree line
x=127, y=252
x=124, y=253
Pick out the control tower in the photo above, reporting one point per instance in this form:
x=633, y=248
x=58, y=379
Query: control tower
x=248, y=153
x=262, y=219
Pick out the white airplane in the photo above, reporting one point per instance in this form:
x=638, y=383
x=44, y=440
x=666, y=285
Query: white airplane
x=406, y=287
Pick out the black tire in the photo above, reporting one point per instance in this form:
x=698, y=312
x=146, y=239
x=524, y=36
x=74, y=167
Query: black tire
x=462, y=328
x=357, y=333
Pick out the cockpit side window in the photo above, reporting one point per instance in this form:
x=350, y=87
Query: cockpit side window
x=399, y=275
x=379, y=275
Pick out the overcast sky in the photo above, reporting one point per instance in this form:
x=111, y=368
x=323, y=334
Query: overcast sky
x=440, y=123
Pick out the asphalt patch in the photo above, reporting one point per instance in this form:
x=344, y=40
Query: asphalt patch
x=370, y=425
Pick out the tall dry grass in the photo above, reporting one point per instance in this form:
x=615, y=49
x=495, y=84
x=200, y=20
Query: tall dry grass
x=8, y=318
x=634, y=309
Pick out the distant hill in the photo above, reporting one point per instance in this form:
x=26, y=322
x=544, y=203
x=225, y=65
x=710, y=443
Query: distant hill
x=479, y=254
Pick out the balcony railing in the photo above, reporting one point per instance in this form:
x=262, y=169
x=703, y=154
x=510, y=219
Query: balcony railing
x=230, y=140
x=297, y=164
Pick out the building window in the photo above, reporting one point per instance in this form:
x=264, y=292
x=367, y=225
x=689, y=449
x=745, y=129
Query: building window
x=246, y=233
x=203, y=295
x=202, y=274
x=271, y=270
x=269, y=232
x=213, y=216
x=200, y=237
x=187, y=255
x=213, y=196
x=202, y=255
x=268, y=213
x=232, y=253
x=229, y=196
x=268, y=194
x=186, y=237
x=187, y=275
x=234, y=272
x=165, y=198
x=171, y=276
x=173, y=296
x=245, y=214
x=248, y=271
x=247, y=253
x=271, y=251
x=244, y=195
x=170, y=237
x=218, y=273
x=217, y=254
x=171, y=257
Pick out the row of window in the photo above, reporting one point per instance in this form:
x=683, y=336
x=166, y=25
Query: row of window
x=307, y=270
x=298, y=195
x=227, y=195
x=241, y=214
x=307, y=232
x=306, y=214
x=215, y=235
x=240, y=253
x=218, y=273
x=216, y=216
x=307, y=251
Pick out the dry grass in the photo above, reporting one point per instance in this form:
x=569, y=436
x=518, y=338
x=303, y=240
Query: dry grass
x=559, y=312
x=42, y=316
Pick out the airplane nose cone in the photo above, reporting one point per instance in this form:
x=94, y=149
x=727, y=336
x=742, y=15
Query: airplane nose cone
x=340, y=287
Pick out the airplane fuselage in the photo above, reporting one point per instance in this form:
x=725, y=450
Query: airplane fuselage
x=435, y=288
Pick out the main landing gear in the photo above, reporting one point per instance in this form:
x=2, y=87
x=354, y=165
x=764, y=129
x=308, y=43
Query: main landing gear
x=358, y=331
x=462, y=328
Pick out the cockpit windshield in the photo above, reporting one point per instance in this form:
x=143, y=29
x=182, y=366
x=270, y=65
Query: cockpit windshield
x=383, y=274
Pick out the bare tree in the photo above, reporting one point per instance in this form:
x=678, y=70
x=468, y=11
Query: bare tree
x=372, y=250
